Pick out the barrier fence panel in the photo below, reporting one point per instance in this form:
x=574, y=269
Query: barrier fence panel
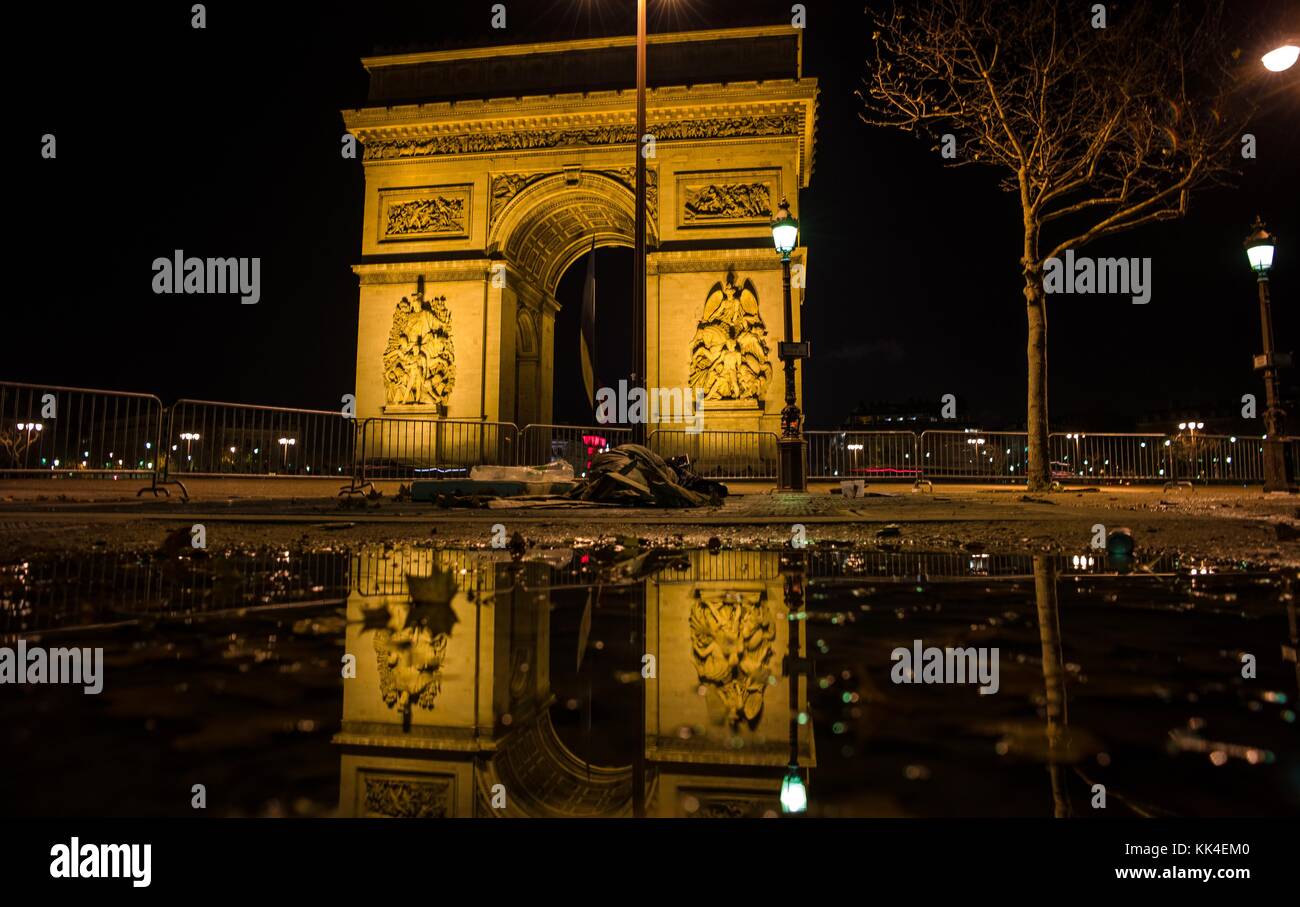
x=48, y=430
x=422, y=448
x=720, y=454
x=871, y=455
x=1216, y=458
x=974, y=456
x=206, y=438
x=1115, y=458
x=577, y=444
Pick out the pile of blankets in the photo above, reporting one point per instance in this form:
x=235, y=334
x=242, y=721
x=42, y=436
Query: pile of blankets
x=632, y=474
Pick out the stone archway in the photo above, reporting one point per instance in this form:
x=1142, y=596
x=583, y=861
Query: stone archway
x=489, y=201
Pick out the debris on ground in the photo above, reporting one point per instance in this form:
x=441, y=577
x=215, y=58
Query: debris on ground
x=633, y=474
x=554, y=471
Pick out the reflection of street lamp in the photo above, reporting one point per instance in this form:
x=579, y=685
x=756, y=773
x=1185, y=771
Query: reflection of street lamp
x=1281, y=57
x=792, y=448
x=794, y=797
x=1260, y=245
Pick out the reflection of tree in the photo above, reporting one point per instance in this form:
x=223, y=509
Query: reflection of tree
x=729, y=352
x=1049, y=635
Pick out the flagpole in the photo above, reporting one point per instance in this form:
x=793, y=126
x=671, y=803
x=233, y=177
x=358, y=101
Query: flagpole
x=639, y=378
x=639, y=265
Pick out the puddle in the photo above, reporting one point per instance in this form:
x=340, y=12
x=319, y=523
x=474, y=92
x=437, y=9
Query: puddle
x=485, y=685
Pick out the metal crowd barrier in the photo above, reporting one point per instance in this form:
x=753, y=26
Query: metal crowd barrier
x=51, y=430
x=720, y=454
x=1216, y=458
x=577, y=444
x=872, y=455
x=1109, y=458
x=48, y=430
x=407, y=449
x=206, y=438
x=996, y=456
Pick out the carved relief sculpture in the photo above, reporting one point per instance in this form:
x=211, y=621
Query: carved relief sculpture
x=729, y=352
x=396, y=798
x=729, y=201
x=471, y=143
x=412, y=645
x=425, y=216
x=731, y=642
x=419, y=362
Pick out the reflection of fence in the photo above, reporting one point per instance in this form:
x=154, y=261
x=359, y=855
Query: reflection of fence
x=424, y=448
x=871, y=455
x=49, y=593
x=575, y=444
x=66, y=430
x=230, y=439
x=720, y=454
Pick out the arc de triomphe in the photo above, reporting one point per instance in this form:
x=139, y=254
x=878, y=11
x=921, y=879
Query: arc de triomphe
x=489, y=171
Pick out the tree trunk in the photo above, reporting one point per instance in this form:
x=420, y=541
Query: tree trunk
x=1039, y=473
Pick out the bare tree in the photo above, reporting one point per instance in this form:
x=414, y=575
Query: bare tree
x=1098, y=126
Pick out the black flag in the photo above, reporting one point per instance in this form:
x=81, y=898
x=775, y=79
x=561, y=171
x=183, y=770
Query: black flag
x=589, y=328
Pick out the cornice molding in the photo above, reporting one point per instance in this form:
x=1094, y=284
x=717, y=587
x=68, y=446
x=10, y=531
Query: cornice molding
x=718, y=260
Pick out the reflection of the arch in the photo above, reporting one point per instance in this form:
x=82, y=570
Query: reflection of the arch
x=717, y=734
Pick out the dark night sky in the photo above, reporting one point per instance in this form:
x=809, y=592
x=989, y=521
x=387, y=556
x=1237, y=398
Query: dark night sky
x=225, y=142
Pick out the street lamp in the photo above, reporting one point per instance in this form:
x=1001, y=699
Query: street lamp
x=1282, y=57
x=285, y=444
x=1260, y=245
x=792, y=449
x=189, y=438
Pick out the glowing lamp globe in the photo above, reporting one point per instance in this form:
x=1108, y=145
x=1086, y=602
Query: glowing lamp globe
x=785, y=229
x=1281, y=58
x=794, y=796
x=1259, y=248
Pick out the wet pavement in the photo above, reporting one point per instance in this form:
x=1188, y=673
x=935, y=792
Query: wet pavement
x=485, y=682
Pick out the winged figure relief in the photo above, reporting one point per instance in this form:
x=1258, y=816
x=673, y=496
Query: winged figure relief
x=419, y=361
x=729, y=352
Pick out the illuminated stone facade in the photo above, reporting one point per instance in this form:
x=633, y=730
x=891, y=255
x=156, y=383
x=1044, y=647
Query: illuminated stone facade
x=488, y=172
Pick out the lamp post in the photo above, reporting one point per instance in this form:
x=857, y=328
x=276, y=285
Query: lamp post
x=1260, y=245
x=792, y=449
x=285, y=444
